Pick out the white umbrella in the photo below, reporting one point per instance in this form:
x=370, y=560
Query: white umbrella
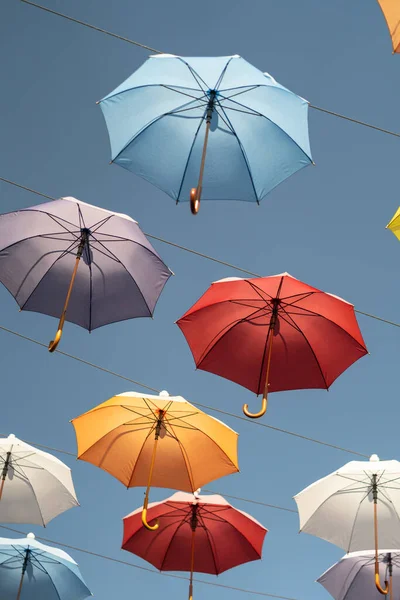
x=351, y=577
x=342, y=507
x=35, y=486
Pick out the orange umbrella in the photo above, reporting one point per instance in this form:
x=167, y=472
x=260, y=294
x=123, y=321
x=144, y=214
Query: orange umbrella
x=391, y=12
x=165, y=441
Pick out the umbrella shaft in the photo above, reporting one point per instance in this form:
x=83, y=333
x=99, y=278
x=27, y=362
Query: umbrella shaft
x=20, y=586
x=25, y=563
x=4, y=473
x=191, y=566
x=203, y=159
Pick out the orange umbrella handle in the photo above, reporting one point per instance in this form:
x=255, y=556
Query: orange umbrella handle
x=145, y=523
x=153, y=460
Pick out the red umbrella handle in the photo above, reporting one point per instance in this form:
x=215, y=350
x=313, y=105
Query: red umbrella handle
x=265, y=396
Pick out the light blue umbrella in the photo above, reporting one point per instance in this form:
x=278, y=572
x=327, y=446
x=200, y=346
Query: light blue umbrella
x=30, y=570
x=171, y=111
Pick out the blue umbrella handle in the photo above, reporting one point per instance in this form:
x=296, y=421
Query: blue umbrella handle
x=195, y=193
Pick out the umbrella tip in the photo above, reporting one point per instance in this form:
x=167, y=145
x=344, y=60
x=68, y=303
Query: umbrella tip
x=31, y=536
x=374, y=458
x=11, y=436
x=164, y=394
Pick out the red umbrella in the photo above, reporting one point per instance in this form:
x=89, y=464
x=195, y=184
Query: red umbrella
x=202, y=534
x=272, y=334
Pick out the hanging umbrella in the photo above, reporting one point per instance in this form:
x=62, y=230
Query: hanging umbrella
x=35, y=487
x=30, y=570
x=164, y=441
x=338, y=507
x=394, y=224
x=173, y=111
x=272, y=334
x=351, y=577
x=391, y=12
x=200, y=534
x=121, y=276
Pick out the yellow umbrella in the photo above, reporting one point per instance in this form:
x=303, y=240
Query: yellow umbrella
x=394, y=224
x=391, y=12
x=160, y=440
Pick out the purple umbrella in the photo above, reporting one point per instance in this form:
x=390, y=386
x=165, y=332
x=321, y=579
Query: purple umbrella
x=120, y=276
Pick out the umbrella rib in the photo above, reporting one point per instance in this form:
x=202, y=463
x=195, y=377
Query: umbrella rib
x=212, y=548
x=185, y=458
x=80, y=216
x=193, y=427
x=96, y=226
x=220, y=78
x=228, y=328
x=57, y=220
x=194, y=74
x=51, y=579
x=355, y=519
x=244, y=90
x=140, y=87
x=60, y=255
x=130, y=275
x=315, y=314
x=276, y=125
x=173, y=89
x=139, y=454
x=299, y=298
x=145, y=128
x=296, y=327
x=170, y=542
x=241, y=149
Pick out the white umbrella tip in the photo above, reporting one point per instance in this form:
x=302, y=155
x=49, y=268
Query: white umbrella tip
x=11, y=436
x=374, y=458
x=31, y=536
x=164, y=394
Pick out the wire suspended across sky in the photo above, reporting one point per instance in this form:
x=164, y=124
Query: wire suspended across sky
x=140, y=45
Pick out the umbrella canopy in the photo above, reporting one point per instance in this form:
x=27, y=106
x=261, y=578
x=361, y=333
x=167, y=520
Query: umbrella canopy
x=173, y=110
x=394, y=224
x=342, y=508
x=35, y=486
x=30, y=570
x=391, y=11
x=272, y=334
x=351, y=577
x=119, y=277
x=145, y=440
x=202, y=534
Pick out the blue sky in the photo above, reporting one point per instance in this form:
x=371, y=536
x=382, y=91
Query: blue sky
x=325, y=225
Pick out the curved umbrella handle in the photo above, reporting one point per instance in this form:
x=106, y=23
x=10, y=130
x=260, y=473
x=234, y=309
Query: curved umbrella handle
x=54, y=343
x=378, y=585
x=258, y=414
x=194, y=201
x=145, y=523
